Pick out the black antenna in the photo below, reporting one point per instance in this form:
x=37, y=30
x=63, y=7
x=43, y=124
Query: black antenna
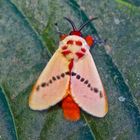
x=71, y=22
x=82, y=26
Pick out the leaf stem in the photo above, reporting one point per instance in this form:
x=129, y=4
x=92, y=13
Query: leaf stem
x=89, y=126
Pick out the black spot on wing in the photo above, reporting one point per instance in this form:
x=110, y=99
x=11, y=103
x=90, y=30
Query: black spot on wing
x=43, y=84
x=78, y=76
x=62, y=75
x=73, y=74
x=88, y=85
x=67, y=73
x=58, y=77
x=95, y=90
x=86, y=82
x=52, y=80
x=82, y=79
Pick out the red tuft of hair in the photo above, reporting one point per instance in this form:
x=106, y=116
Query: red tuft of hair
x=90, y=40
x=70, y=109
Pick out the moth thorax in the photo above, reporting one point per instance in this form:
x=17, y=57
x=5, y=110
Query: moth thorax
x=73, y=47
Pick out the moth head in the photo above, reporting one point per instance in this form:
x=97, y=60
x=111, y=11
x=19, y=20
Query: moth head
x=89, y=39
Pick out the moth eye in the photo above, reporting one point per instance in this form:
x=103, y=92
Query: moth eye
x=78, y=43
x=70, y=42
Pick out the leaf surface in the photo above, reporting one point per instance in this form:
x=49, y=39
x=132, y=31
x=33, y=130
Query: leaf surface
x=28, y=39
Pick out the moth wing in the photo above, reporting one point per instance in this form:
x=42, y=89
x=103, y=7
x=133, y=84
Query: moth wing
x=52, y=84
x=86, y=87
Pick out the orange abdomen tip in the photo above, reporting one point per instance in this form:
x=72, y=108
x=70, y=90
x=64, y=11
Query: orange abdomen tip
x=70, y=109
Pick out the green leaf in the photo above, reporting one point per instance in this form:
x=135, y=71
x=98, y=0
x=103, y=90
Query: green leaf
x=28, y=39
x=7, y=122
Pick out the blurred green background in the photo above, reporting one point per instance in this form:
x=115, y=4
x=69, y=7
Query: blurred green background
x=27, y=41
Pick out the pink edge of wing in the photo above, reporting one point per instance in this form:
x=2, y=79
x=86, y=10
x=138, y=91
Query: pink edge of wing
x=88, y=100
x=50, y=95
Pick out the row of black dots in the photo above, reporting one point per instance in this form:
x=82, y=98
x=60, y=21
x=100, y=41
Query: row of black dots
x=54, y=78
x=62, y=75
x=86, y=82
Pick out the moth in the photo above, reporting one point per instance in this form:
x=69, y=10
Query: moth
x=71, y=77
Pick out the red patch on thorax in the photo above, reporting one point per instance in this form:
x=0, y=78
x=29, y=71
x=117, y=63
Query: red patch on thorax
x=70, y=42
x=79, y=54
x=78, y=43
x=83, y=49
x=64, y=47
x=66, y=52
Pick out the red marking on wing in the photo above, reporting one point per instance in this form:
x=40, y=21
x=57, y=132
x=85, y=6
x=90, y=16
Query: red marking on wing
x=70, y=109
x=71, y=65
x=79, y=54
x=78, y=43
x=70, y=42
x=66, y=52
x=83, y=49
x=64, y=47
